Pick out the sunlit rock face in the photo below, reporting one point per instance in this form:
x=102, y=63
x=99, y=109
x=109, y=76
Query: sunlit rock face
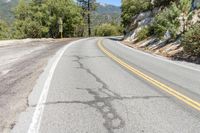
x=196, y=17
x=140, y=21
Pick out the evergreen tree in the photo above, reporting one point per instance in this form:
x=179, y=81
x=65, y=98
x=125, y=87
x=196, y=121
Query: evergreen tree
x=87, y=7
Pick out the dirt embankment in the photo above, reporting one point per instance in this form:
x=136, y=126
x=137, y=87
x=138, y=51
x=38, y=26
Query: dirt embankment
x=21, y=63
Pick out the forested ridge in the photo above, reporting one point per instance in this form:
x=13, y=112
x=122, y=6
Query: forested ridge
x=40, y=18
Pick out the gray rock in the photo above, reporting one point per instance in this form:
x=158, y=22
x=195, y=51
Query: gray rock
x=145, y=21
x=155, y=10
x=144, y=15
x=167, y=35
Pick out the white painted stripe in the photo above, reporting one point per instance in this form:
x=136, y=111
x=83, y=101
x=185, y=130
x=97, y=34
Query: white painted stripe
x=37, y=116
x=159, y=58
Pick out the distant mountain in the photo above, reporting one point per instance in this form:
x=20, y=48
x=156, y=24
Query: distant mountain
x=6, y=7
x=108, y=9
x=106, y=13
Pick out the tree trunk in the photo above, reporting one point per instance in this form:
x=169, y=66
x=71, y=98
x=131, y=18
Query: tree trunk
x=89, y=22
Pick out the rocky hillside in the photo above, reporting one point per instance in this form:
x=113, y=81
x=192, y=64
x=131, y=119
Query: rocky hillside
x=164, y=29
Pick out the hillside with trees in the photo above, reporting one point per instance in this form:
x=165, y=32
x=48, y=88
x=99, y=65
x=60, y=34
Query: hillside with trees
x=36, y=19
x=167, y=27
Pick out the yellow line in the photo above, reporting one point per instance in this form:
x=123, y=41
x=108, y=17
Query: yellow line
x=158, y=84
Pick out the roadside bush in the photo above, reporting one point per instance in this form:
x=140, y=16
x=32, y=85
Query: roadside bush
x=3, y=30
x=191, y=40
x=144, y=33
x=167, y=20
x=107, y=30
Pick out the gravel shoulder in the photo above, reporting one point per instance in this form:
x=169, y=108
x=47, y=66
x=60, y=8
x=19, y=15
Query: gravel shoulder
x=21, y=64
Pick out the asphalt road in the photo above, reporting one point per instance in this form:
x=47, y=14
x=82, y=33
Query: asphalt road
x=89, y=92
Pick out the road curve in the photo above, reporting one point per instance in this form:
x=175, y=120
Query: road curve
x=90, y=92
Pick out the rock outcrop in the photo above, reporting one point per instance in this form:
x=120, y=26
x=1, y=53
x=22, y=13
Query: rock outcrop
x=166, y=46
x=139, y=21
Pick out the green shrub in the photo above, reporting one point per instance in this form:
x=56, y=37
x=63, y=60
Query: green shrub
x=108, y=30
x=191, y=40
x=167, y=20
x=3, y=30
x=144, y=33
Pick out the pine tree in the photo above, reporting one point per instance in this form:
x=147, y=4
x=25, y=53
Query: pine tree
x=87, y=7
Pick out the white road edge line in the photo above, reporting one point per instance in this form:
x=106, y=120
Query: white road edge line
x=159, y=57
x=37, y=116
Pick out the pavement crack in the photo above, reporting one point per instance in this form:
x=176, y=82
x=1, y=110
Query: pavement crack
x=105, y=108
x=112, y=120
x=104, y=85
x=106, y=98
x=88, y=57
x=102, y=103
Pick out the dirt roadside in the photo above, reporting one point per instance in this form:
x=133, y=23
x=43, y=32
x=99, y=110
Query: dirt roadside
x=21, y=64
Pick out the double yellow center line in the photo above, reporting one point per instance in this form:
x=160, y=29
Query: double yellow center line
x=158, y=84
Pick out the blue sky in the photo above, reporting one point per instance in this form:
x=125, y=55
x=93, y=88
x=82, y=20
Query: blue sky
x=113, y=2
